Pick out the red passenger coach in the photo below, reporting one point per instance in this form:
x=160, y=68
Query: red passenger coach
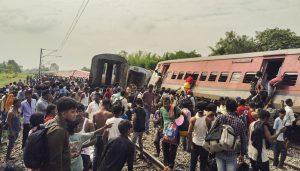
x=230, y=75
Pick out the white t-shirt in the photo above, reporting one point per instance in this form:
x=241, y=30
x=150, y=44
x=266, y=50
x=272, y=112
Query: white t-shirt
x=114, y=130
x=252, y=152
x=200, y=130
x=289, y=116
x=278, y=124
x=85, y=100
x=93, y=108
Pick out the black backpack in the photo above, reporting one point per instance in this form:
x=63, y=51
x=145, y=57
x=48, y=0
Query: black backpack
x=188, y=101
x=36, y=153
x=185, y=125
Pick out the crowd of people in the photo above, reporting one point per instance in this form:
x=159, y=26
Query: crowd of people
x=90, y=128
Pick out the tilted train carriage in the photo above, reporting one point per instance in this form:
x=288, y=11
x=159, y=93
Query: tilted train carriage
x=230, y=75
x=108, y=69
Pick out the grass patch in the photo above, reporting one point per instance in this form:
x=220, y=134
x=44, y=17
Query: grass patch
x=6, y=78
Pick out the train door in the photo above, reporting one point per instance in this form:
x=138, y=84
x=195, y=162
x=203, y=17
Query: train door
x=165, y=68
x=271, y=68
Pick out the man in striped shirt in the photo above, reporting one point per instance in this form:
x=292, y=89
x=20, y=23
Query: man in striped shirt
x=226, y=160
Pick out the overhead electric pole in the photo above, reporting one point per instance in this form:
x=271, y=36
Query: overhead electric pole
x=40, y=65
x=42, y=56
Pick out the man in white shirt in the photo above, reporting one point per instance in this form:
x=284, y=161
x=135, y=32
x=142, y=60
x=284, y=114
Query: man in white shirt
x=85, y=97
x=94, y=106
x=279, y=146
x=113, y=132
x=288, y=120
x=198, y=128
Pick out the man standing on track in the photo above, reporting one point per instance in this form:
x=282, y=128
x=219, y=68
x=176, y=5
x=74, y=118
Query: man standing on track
x=118, y=150
x=27, y=109
x=14, y=127
x=226, y=160
x=148, y=98
x=85, y=125
x=99, y=120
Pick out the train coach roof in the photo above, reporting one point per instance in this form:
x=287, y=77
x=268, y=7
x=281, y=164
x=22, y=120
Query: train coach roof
x=235, y=56
x=111, y=57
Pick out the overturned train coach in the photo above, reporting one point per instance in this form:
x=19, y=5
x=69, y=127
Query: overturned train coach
x=108, y=69
x=230, y=75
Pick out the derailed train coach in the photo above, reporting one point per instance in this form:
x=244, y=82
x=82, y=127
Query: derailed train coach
x=230, y=75
x=109, y=69
x=138, y=76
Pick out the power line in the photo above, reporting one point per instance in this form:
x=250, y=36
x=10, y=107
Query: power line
x=74, y=23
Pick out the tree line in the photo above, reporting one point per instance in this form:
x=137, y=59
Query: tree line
x=10, y=66
x=269, y=39
x=232, y=43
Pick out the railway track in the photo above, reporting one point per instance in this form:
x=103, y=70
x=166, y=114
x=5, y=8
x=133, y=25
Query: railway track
x=155, y=163
x=294, y=167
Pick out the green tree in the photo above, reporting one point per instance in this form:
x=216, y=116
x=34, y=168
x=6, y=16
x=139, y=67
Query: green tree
x=13, y=67
x=149, y=60
x=3, y=67
x=54, y=67
x=274, y=39
x=85, y=69
x=232, y=44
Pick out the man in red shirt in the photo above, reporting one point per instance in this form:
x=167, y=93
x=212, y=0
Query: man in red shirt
x=272, y=86
x=242, y=107
x=273, y=83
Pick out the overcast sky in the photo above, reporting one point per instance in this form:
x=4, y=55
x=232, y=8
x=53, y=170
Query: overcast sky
x=109, y=26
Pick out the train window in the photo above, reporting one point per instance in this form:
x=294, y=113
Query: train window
x=248, y=77
x=174, y=75
x=195, y=75
x=212, y=76
x=236, y=77
x=290, y=78
x=203, y=76
x=187, y=74
x=180, y=75
x=223, y=77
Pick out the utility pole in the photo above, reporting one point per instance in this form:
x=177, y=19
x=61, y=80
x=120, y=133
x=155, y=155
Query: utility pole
x=40, y=65
x=46, y=55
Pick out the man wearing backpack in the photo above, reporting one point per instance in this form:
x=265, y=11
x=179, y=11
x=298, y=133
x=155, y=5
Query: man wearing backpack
x=260, y=139
x=170, y=143
x=226, y=160
x=191, y=100
x=58, y=136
